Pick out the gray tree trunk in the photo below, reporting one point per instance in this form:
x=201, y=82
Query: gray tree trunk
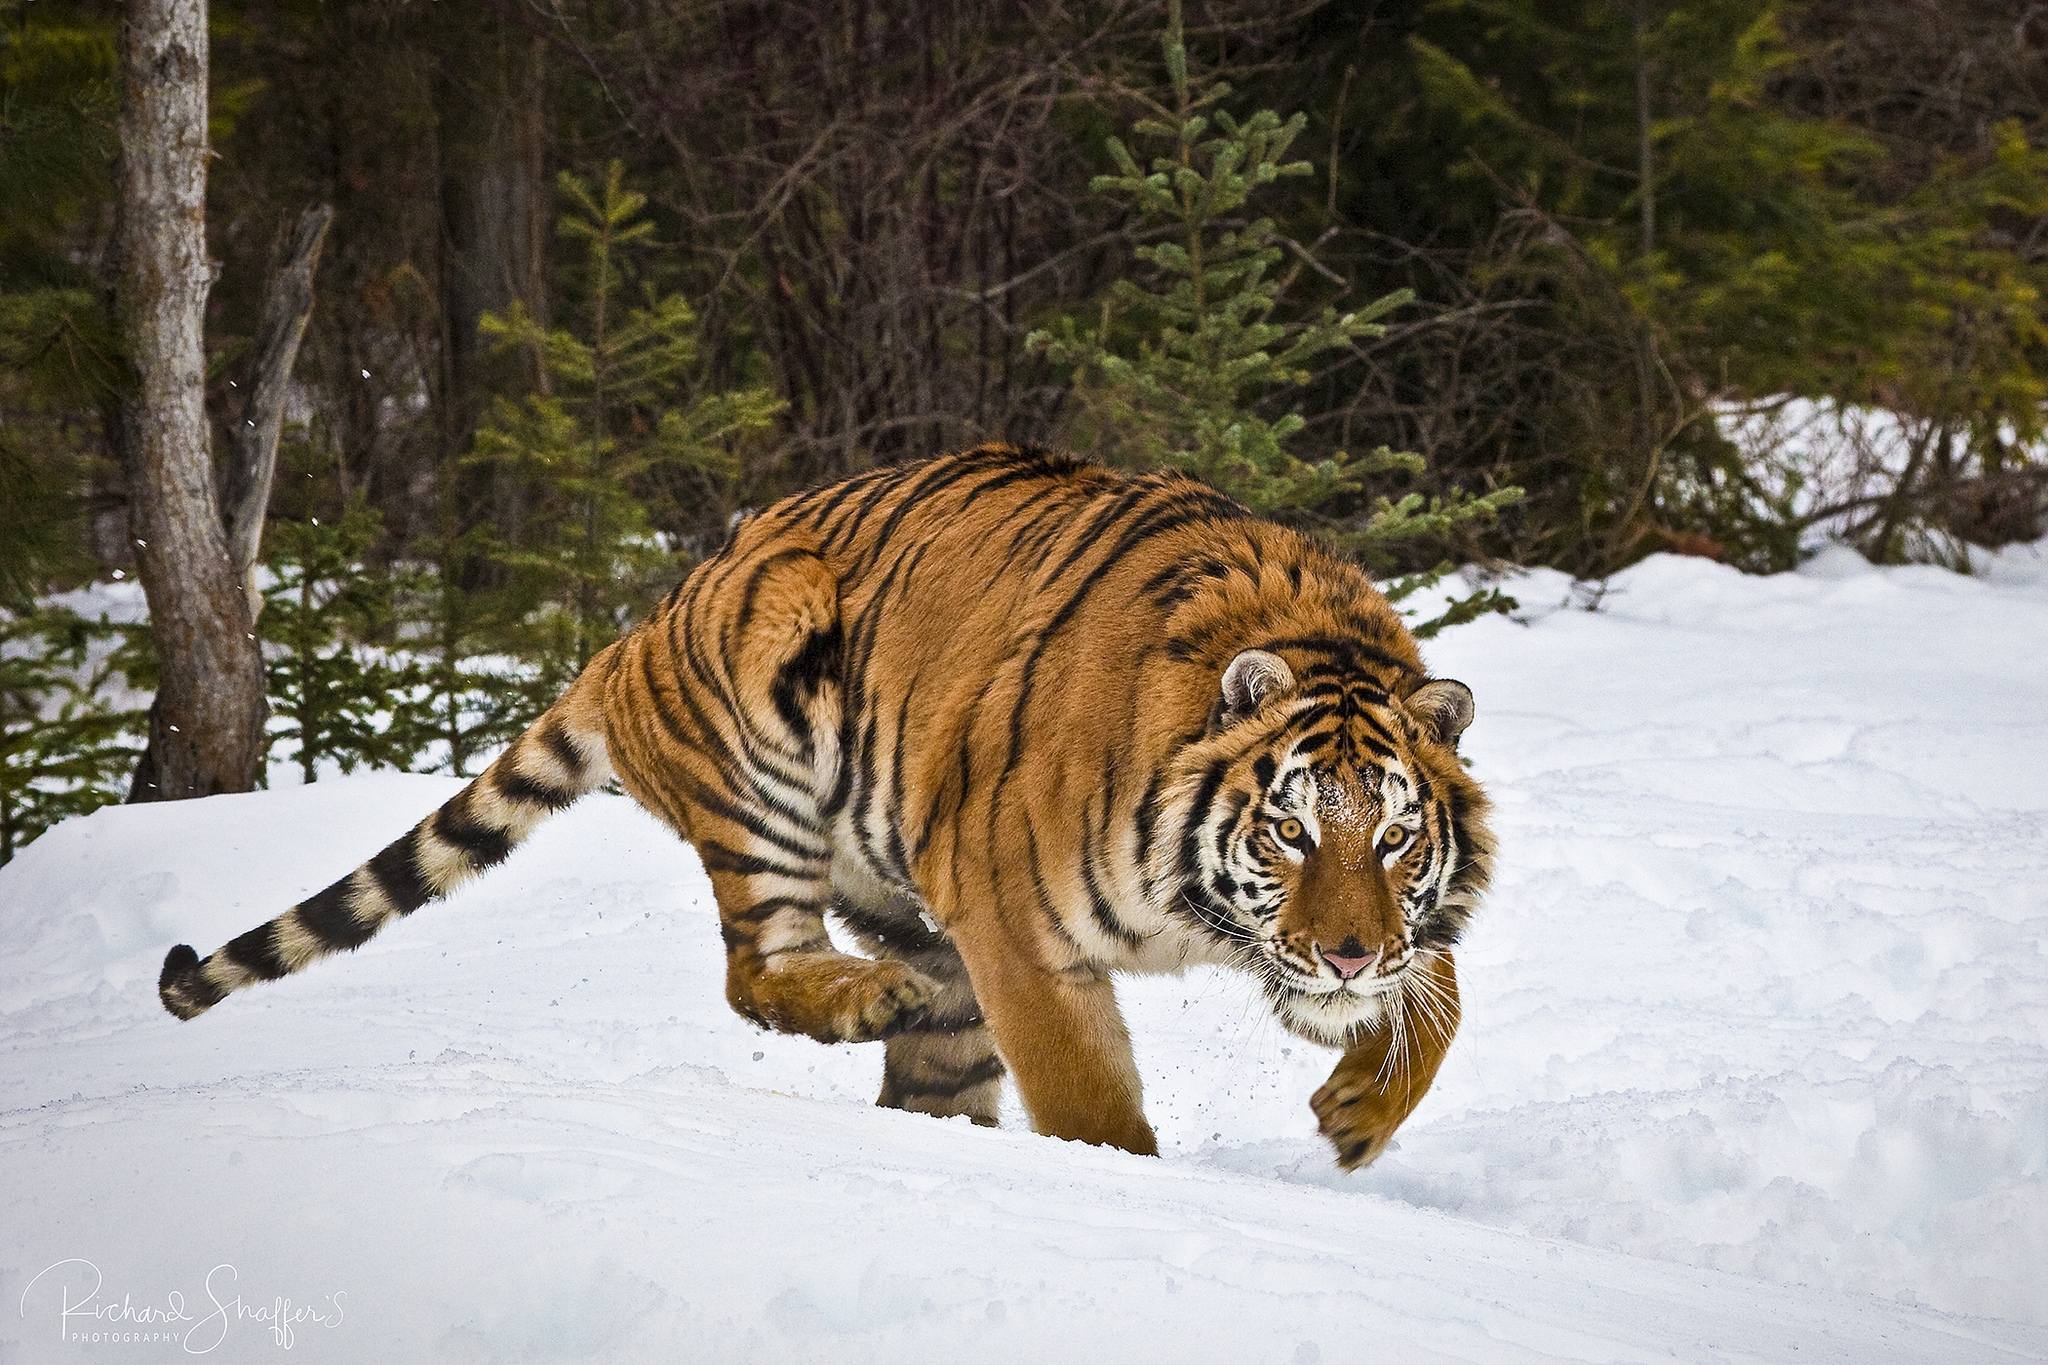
x=497, y=218
x=496, y=201
x=206, y=726
x=252, y=456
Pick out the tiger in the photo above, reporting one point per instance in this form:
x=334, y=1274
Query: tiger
x=1019, y=723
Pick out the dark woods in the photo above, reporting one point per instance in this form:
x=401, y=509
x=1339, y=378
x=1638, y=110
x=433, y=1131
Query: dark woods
x=1711, y=277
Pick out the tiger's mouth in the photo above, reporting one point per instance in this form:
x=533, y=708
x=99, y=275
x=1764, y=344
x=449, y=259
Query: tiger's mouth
x=1331, y=1011
x=1325, y=985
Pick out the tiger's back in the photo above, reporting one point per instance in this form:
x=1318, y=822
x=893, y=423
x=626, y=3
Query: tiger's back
x=1021, y=722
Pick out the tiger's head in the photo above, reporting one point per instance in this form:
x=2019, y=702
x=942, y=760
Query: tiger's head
x=1329, y=834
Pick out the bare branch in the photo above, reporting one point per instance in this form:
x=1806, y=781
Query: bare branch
x=252, y=453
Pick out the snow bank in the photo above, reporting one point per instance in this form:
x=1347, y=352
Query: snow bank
x=1755, y=1061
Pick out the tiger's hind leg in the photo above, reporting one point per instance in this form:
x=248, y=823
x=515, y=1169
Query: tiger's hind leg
x=944, y=1064
x=782, y=972
x=727, y=724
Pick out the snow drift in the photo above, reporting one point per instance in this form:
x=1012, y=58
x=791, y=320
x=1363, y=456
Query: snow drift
x=1754, y=1063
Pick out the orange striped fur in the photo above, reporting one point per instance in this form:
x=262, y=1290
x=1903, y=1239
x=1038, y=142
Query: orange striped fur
x=1020, y=723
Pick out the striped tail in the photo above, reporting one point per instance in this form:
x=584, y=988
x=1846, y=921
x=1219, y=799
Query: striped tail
x=559, y=758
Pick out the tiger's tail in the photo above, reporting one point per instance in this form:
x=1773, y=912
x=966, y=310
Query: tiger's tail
x=560, y=757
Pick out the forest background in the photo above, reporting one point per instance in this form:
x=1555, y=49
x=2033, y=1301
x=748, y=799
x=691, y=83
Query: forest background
x=1560, y=282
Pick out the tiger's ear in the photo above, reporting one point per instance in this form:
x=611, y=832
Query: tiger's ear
x=1444, y=707
x=1253, y=676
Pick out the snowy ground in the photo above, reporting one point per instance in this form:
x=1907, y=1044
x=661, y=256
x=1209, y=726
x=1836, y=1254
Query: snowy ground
x=1754, y=1067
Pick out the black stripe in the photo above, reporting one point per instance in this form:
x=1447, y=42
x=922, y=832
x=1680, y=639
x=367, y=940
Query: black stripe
x=554, y=737
x=1226, y=828
x=1190, y=839
x=816, y=661
x=966, y=731
x=847, y=530
x=1036, y=527
x=864, y=746
x=1089, y=537
x=1099, y=907
x=835, y=494
x=751, y=817
x=754, y=823
x=762, y=909
x=1016, y=474
x=515, y=786
x=1356, y=653
x=989, y=1068
x=842, y=784
x=744, y=815
x=716, y=857
x=1148, y=817
x=707, y=739
x=899, y=853
x=483, y=845
x=257, y=951
x=751, y=758
x=818, y=501
x=925, y=489
x=1044, y=893
x=910, y=567
x=1034, y=539
x=898, y=934
x=397, y=870
x=1155, y=522
x=326, y=915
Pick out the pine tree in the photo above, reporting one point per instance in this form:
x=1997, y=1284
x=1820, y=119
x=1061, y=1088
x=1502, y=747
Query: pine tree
x=66, y=744
x=1694, y=192
x=60, y=354
x=333, y=692
x=603, y=421
x=1179, y=369
x=465, y=692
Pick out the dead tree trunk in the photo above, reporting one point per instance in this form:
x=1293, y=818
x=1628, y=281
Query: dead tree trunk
x=206, y=726
x=252, y=456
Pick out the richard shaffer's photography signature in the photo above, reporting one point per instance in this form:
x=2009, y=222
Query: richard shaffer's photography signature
x=86, y=1313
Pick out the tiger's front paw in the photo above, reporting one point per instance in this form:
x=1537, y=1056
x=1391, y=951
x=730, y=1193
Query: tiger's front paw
x=1385, y=1072
x=1356, y=1112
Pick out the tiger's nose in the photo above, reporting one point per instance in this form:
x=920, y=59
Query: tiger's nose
x=1352, y=958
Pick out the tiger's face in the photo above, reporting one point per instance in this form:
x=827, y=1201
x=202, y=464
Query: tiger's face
x=1328, y=856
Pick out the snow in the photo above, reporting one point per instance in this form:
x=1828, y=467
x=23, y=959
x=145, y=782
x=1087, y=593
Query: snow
x=1754, y=1064
x=1810, y=454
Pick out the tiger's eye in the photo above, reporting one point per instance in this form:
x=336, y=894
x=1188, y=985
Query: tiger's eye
x=1394, y=838
x=1290, y=830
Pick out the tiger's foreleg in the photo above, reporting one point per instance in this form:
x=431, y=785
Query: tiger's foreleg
x=1384, y=1075
x=1063, y=1038
x=945, y=1064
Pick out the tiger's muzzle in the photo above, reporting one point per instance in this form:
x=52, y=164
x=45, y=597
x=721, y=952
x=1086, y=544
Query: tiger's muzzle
x=1342, y=929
